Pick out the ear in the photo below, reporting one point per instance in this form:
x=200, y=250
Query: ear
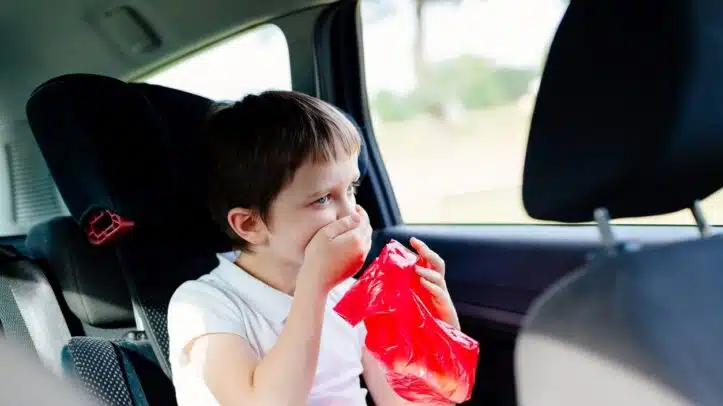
x=247, y=224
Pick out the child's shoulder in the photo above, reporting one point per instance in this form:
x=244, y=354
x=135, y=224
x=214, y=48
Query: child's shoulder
x=207, y=292
x=207, y=305
x=197, y=289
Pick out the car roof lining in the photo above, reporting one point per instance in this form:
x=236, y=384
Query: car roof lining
x=40, y=42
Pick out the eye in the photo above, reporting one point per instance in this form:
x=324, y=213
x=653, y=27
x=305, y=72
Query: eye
x=353, y=188
x=323, y=200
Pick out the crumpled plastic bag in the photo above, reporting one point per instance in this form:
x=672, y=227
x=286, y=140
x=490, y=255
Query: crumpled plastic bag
x=425, y=359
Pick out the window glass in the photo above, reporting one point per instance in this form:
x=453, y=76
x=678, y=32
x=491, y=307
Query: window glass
x=250, y=62
x=452, y=85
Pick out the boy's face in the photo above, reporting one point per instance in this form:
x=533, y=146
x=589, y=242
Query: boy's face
x=319, y=193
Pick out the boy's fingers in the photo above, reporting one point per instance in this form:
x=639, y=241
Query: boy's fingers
x=434, y=289
x=430, y=275
x=434, y=259
x=341, y=226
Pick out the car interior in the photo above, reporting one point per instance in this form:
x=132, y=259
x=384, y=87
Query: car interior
x=575, y=204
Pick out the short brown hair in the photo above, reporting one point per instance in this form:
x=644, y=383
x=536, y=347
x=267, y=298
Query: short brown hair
x=257, y=144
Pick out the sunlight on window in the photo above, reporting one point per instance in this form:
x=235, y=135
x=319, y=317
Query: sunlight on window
x=451, y=113
x=250, y=62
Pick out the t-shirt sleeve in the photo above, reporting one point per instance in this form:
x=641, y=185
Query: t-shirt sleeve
x=197, y=309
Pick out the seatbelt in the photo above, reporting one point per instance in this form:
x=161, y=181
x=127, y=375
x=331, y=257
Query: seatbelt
x=38, y=306
x=11, y=321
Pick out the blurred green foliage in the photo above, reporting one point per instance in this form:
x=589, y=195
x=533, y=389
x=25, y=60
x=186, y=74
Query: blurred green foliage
x=473, y=82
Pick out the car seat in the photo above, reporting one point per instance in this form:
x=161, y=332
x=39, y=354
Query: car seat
x=628, y=123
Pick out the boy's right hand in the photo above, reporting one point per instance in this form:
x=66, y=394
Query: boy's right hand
x=337, y=251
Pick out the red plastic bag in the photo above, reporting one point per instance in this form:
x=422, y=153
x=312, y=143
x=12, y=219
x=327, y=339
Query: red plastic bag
x=425, y=359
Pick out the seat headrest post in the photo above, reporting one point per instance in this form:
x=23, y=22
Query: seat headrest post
x=703, y=227
x=602, y=218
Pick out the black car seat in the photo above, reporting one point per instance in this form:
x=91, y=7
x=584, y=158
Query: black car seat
x=629, y=122
x=96, y=298
x=126, y=161
x=57, y=287
x=98, y=307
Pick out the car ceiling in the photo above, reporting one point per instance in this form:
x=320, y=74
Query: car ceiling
x=41, y=39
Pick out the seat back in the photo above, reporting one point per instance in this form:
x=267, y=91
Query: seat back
x=31, y=312
x=30, y=315
x=639, y=328
x=115, y=367
x=142, y=165
x=89, y=278
x=629, y=121
x=118, y=372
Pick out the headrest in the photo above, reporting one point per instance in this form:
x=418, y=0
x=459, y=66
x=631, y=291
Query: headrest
x=90, y=277
x=629, y=114
x=132, y=149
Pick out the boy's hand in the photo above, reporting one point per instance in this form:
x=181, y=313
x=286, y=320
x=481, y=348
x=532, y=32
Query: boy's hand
x=433, y=280
x=337, y=251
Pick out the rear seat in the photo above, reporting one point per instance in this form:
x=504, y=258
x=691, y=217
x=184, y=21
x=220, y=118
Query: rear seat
x=130, y=150
x=62, y=288
x=99, y=305
x=30, y=315
x=96, y=297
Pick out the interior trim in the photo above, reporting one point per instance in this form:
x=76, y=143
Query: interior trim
x=486, y=313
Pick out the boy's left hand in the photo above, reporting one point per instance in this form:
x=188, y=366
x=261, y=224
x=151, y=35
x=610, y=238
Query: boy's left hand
x=433, y=280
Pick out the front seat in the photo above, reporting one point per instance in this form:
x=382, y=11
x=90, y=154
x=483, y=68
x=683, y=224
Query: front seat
x=628, y=123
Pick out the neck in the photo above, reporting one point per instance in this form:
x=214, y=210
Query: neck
x=274, y=273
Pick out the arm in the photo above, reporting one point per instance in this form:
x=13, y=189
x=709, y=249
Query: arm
x=286, y=373
x=284, y=376
x=379, y=388
x=381, y=391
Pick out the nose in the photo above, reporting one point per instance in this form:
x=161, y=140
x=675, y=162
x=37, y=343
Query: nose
x=347, y=206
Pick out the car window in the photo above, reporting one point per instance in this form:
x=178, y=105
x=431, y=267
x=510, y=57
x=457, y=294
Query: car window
x=249, y=62
x=451, y=86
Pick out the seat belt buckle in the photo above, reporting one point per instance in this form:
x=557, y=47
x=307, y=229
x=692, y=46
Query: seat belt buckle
x=103, y=226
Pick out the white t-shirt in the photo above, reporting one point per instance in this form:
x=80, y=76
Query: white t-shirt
x=229, y=300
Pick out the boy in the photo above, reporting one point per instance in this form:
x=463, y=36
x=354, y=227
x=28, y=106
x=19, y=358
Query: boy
x=260, y=329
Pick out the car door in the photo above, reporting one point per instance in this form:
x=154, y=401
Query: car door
x=444, y=93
